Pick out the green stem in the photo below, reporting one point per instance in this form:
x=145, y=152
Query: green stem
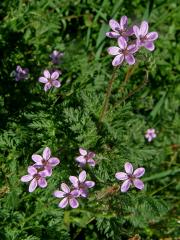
x=108, y=94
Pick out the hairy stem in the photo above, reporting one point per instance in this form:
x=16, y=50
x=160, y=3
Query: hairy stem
x=108, y=94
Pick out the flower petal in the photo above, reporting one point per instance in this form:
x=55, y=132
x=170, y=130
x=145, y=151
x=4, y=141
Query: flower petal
x=47, y=74
x=91, y=155
x=113, y=50
x=74, y=181
x=33, y=185
x=83, y=192
x=139, y=172
x=89, y=184
x=91, y=162
x=59, y=194
x=118, y=60
x=121, y=176
x=75, y=193
x=130, y=59
x=65, y=188
x=149, y=45
x=32, y=170
x=56, y=83
x=73, y=203
x=43, y=80
x=53, y=161
x=123, y=22
x=144, y=28
x=128, y=168
x=44, y=173
x=138, y=184
x=26, y=178
x=125, y=186
x=82, y=151
x=63, y=203
x=152, y=36
x=47, y=153
x=42, y=182
x=112, y=34
x=55, y=75
x=82, y=176
x=132, y=48
x=81, y=159
x=114, y=25
x=136, y=31
x=37, y=158
x=122, y=43
x=47, y=86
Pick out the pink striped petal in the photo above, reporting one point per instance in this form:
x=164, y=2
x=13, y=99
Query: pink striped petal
x=150, y=46
x=118, y=60
x=37, y=158
x=112, y=34
x=114, y=25
x=55, y=75
x=74, y=181
x=47, y=86
x=138, y=184
x=82, y=176
x=130, y=59
x=63, y=203
x=113, y=50
x=128, y=168
x=144, y=28
x=81, y=159
x=65, y=188
x=123, y=22
x=89, y=184
x=26, y=178
x=59, y=194
x=136, y=31
x=152, y=36
x=56, y=83
x=42, y=182
x=43, y=80
x=83, y=151
x=54, y=161
x=47, y=74
x=125, y=186
x=122, y=43
x=47, y=153
x=33, y=185
x=91, y=162
x=139, y=172
x=32, y=170
x=121, y=176
x=73, y=203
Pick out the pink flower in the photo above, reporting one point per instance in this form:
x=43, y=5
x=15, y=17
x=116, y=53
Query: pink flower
x=130, y=178
x=46, y=161
x=145, y=39
x=55, y=56
x=86, y=158
x=36, y=178
x=69, y=197
x=150, y=134
x=119, y=29
x=50, y=80
x=81, y=184
x=123, y=52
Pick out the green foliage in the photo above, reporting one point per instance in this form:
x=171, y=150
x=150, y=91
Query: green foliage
x=66, y=118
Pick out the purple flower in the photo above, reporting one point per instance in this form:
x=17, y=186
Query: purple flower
x=145, y=39
x=46, y=161
x=55, y=56
x=123, y=52
x=119, y=29
x=150, y=134
x=85, y=158
x=81, y=184
x=21, y=73
x=50, y=80
x=36, y=178
x=69, y=197
x=130, y=178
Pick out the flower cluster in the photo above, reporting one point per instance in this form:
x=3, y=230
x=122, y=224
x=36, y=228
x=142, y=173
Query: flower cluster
x=40, y=170
x=50, y=78
x=130, y=40
x=21, y=73
x=79, y=189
